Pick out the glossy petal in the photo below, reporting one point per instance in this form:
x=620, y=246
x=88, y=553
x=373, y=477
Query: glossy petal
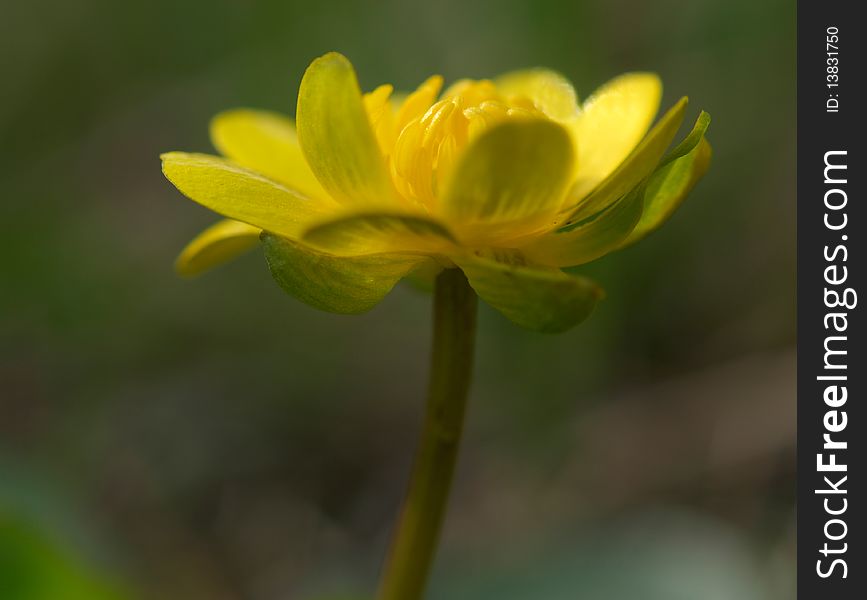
x=638, y=165
x=513, y=175
x=613, y=120
x=542, y=299
x=381, y=115
x=240, y=194
x=349, y=285
x=416, y=104
x=376, y=233
x=549, y=91
x=674, y=179
x=265, y=142
x=219, y=243
x=592, y=239
x=336, y=135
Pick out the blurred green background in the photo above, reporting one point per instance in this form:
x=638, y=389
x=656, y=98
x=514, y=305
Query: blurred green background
x=215, y=439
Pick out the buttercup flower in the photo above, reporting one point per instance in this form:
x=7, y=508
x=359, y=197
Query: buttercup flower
x=509, y=180
x=488, y=188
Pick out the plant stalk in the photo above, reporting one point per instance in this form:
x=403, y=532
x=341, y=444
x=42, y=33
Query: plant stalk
x=414, y=544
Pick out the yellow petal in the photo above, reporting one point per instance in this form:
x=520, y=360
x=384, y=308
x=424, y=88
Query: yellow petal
x=613, y=120
x=572, y=246
x=417, y=103
x=240, y=194
x=638, y=165
x=511, y=179
x=381, y=115
x=374, y=233
x=265, y=142
x=219, y=243
x=336, y=136
x=538, y=298
x=549, y=91
x=473, y=92
x=345, y=285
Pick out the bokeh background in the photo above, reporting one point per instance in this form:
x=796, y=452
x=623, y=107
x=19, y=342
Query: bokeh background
x=215, y=439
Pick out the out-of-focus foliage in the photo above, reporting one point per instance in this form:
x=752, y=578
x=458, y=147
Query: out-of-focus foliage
x=33, y=567
x=231, y=443
x=654, y=556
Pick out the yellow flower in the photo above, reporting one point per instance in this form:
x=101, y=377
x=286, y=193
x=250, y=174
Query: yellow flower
x=508, y=179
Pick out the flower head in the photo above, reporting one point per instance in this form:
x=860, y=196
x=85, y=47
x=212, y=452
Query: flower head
x=508, y=179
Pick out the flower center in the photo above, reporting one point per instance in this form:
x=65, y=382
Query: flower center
x=422, y=141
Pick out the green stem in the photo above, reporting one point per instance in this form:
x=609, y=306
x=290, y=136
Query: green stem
x=415, y=540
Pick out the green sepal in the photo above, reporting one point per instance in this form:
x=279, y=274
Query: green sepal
x=592, y=238
x=344, y=285
x=672, y=181
x=538, y=298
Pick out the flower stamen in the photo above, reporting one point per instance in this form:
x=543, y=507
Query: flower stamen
x=422, y=142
